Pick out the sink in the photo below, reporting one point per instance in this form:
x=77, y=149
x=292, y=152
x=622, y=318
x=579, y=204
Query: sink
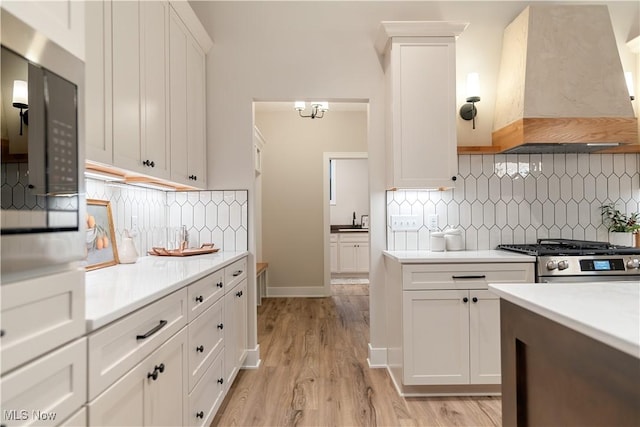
x=352, y=229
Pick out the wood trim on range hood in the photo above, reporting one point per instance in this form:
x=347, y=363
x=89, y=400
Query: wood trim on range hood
x=561, y=88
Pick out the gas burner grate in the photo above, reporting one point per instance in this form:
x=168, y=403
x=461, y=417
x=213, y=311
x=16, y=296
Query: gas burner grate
x=569, y=247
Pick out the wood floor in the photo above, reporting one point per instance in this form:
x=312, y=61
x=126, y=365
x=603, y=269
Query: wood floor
x=314, y=373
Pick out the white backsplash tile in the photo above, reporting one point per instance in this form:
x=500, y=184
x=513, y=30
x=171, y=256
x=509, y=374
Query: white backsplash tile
x=159, y=212
x=520, y=198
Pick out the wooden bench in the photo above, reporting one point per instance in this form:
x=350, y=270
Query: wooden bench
x=261, y=280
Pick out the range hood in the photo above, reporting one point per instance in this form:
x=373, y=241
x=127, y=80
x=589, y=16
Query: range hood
x=561, y=85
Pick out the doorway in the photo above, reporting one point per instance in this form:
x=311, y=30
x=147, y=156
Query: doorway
x=346, y=219
x=292, y=180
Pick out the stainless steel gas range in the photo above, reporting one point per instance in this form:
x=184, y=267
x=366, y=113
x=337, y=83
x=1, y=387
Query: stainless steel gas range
x=564, y=260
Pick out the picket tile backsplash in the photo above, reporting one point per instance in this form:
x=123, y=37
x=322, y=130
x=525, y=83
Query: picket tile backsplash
x=518, y=198
x=218, y=217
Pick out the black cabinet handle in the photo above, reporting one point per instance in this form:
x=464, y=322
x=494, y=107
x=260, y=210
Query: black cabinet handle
x=237, y=273
x=199, y=298
x=474, y=299
x=155, y=329
x=1, y=333
x=478, y=276
x=200, y=349
x=153, y=374
x=220, y=380
x=220, y=325
x=239, y=294
x=219, y=284
x=149, y=163
x=193, y=177
x=465, y=299
x=160, y=368
x=200, y=414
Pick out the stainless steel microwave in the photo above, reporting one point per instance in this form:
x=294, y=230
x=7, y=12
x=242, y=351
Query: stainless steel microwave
x=42, y=157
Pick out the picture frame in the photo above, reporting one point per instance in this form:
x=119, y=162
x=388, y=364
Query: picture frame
x=100, y=235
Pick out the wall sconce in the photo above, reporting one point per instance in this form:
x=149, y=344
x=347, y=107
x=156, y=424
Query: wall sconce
x=468, y=111
x=317, y=109
x=628, y=77
x=21, y=100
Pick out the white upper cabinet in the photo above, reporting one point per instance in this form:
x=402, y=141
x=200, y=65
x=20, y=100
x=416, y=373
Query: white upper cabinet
x=188, y=106
x=420, y=73
x=145, y=79
x=61, y=21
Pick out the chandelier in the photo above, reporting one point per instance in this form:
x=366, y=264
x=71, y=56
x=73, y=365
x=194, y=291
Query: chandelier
x=317, y=109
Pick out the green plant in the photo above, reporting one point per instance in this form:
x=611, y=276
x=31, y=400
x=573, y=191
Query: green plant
x=615, y=220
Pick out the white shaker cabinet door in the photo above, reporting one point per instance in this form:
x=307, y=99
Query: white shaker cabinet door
x=126, y=58
x=484, y=345
x=436, y=337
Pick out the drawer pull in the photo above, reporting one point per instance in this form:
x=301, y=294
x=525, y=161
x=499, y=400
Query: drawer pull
x=220, y=380
x=199, y=298
x=474, y=299
x=155, y=329
x=200, y=349
x=239, y=294
x=1, y=335
x=220, y=326
x=479, y=276
x=153, y=374
x=237, y=273
x=219, y=284
x=465, y=300
x=200, y=414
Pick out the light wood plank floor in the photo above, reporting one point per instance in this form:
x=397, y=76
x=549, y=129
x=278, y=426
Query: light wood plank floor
x=314, y=373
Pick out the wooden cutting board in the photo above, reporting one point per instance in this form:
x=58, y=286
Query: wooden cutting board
x=206, y=248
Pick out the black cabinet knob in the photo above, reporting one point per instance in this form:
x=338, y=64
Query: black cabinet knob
x=474, y=299
x=239, y=294
x=1, y=333
x=31, y=186
x=149, y=163
x=220, y=326
x=465, y=299
x=220, y=380
x=199, y=298
x=160, y=368
x=153, y=374
x=219, y=284
x=200, y=349
x=200, y=414
x=454, y=178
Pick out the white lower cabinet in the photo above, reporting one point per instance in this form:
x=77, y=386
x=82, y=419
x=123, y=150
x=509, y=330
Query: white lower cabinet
x=47, y=390
x=464, y=348
x=235, y=335
x=206, y=339
x=351, y=253
x=444, y=325
x=151, y=394
x=208, y=394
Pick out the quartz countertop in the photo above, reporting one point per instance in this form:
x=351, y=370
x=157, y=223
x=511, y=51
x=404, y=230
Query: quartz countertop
x=428, y=257
x=116, y=291
x=605, y=311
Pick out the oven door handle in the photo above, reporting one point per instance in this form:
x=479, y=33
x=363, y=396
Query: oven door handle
x=477, y=276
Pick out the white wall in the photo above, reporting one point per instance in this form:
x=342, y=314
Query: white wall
x=324, y=50
x=352, y=191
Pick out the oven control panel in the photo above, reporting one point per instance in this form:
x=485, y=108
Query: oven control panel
x=591, y=265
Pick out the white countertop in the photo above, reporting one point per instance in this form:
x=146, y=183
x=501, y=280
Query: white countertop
x=606, y=311
x=116, y=291
x=427, y=257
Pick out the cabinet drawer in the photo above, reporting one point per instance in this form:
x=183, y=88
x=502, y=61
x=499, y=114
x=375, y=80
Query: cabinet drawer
x=204, y=292
x=207, y=396
x=39, y=315
x=47, y=390
x=206, y=335
x=116, y=348
x=234, y=273
x=464, y=276
x=354, y=237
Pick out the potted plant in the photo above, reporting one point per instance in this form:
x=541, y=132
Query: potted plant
x=621, y=226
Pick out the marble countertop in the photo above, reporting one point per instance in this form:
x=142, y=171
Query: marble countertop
x=116, y=291
x=606, y=311
x=427, y=257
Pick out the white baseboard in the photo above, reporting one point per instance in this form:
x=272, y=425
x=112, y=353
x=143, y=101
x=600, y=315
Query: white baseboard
x=294, y=292
x=377, y=357
x=252, y=360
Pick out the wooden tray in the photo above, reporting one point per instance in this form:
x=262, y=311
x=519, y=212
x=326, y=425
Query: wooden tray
x=206, y=248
